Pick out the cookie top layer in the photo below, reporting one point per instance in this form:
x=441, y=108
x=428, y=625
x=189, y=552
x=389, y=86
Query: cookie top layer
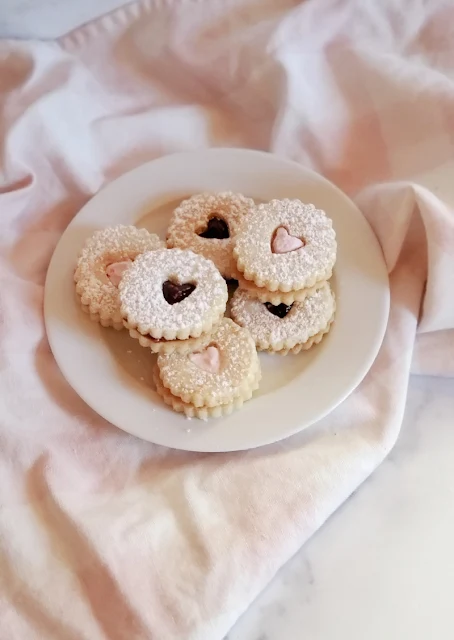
x=225, y=370
x=147, y=307
x=284, y=326
x=215, y=215
x=101, y=262
x=286, y=245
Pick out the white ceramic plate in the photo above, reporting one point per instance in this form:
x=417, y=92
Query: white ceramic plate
x=111, y=372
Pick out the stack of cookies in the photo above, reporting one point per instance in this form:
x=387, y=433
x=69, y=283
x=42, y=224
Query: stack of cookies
x=282, y=254
x=214, y=381
x=173, y=300
x=285, y=252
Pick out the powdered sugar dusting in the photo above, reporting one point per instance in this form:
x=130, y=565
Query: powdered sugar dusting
x=143, y=303
x=304, y=320
x=104, y=247
x=191, y=217
x=296, y=269
x=238, y=369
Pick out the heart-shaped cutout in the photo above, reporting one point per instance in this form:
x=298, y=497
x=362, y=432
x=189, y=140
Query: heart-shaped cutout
x=216, y=228
x=208, y=360
x=174, y=292
x=116, y=270
x=279, y=310
x=283, y=242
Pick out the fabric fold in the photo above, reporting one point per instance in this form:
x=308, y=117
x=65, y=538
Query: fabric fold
x=103, y=536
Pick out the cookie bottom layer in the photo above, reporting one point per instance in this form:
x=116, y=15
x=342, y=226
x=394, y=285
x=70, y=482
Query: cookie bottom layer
x=305, y=346
x=204, y=412
x=277, y=297
x=171, y=346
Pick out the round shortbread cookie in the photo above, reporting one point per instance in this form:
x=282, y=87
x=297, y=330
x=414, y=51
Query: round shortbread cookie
x=285, y=245
x=101, y=264
x=276, y=297
x=227, y=369
x=282, y=327
x=203, y=413
x=172, y=294
x=217, y=217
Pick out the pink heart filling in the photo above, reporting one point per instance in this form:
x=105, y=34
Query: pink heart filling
x=283, y=242
x=208, y=360
x=116, y=270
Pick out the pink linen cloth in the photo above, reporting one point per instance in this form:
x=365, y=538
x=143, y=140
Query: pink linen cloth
x=103, y=536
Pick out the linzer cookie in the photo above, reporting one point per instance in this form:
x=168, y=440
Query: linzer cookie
x=215, y=380
x=285, y=246
x=284, y=328
x=207, y=224
x=101, y=265
x=171, y=294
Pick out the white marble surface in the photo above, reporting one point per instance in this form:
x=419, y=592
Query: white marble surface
x=382, y=567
